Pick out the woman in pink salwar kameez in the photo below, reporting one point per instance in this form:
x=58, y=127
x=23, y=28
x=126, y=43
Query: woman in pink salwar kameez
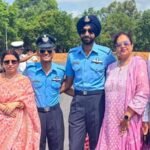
x=19, y=121
x=127, y=92
x=146, y=118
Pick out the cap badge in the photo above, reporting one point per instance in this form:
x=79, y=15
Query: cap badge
x=45, y=38
x=87, y=19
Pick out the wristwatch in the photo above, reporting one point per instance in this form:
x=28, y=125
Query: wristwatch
x=126, y=117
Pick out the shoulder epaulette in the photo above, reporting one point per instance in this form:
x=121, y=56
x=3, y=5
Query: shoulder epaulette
x=104, y=49
x=29, y=65
x=75, y=49
x=60, y=67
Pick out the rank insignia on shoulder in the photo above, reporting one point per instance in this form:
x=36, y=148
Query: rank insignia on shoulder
x=97, y=61
x=57, y=79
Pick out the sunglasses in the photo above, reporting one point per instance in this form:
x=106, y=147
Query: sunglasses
x=42, y=51
x=125, y=43
x=90, y=31
x=6, y=62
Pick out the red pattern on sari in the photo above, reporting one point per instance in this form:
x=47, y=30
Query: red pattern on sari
x=23, y=131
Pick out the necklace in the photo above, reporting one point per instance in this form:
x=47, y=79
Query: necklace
x=122, y=63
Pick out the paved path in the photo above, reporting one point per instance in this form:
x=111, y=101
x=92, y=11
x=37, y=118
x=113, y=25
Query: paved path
x=65, y=105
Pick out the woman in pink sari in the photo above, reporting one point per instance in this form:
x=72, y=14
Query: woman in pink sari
x=19, y=121
x=127, y=92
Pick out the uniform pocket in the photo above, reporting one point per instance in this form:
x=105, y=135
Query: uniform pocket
x=97, y=72
x=97, y=67
x=56, y=84
x=37, y=83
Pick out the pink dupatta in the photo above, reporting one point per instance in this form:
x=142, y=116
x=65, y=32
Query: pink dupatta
x=23, y=131
x=137, y=94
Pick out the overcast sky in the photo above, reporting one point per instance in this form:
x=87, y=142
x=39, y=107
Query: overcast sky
x=76, y=7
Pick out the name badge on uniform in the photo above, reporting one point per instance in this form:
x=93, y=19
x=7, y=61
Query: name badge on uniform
x=57, y=79
x=97, y=61
x=76, y=62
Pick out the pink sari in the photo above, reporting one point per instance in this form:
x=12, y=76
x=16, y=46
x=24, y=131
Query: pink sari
x=23, y=131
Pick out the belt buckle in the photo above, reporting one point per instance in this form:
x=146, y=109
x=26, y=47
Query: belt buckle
x=84, y=92
x=46, y=109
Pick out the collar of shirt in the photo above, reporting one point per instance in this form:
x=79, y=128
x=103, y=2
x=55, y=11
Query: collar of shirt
x=39, y=68
x=94, y=48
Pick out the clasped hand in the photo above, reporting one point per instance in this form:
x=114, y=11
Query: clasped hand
x=10, y=107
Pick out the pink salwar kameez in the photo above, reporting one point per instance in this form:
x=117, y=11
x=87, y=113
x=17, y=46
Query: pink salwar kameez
x=125, y=86
x=23, y=131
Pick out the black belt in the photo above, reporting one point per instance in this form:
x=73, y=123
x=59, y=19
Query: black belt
x=47, y=109
x=88, y=92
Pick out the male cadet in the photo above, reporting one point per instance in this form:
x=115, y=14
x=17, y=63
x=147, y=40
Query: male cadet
x=18, y=47
x=46, y=78
x=85, y=69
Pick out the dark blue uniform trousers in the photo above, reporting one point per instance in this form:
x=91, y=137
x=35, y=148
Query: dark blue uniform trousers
x=52, y=129
x=86, y=116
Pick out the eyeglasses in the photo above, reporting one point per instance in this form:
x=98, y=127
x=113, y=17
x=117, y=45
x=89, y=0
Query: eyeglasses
x=90, y=31
x=6, y=62
x=42, y=51
x=125, y=43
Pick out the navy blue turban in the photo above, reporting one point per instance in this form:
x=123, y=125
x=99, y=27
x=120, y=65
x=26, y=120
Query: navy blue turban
x=90, y=20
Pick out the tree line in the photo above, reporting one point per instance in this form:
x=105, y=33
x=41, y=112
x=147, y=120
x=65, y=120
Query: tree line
x=26, y=20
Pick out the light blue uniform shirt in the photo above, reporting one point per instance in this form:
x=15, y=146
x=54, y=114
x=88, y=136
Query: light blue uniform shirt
x=89, y=71
x=46, y=87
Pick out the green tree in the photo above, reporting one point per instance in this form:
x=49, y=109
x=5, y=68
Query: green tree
x=37, y=17
x=3, y=23
x=142, y=32
x=26, y=20
x=41, y=4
